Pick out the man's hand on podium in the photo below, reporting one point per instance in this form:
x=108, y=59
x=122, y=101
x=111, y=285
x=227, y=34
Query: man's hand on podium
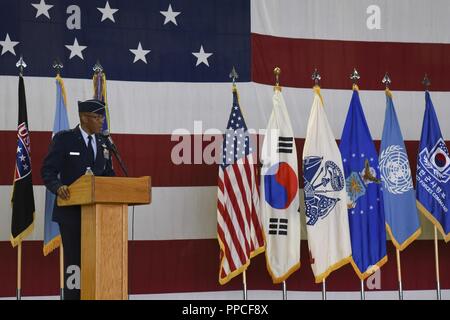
x=63, y=192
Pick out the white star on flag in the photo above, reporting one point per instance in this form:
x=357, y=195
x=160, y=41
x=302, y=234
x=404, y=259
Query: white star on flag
x=42, y=8
x=170, y=15
x=108, y=12
x=76, y=49
x=139, y=53
x=8, y=45
x=22, y=158
x=202, y=57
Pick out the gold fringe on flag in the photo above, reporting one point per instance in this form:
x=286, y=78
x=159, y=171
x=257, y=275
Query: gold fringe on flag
x=15, y=241
x=52, y=245
x=371, y=270
x=63, y=89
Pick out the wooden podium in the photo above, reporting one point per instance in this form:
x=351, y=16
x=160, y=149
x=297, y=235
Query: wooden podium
x=104, y=231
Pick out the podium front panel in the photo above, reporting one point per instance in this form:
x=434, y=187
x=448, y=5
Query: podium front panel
x=104, y=247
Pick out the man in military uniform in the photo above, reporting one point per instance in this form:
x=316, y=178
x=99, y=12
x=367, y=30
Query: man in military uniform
x=71, y=154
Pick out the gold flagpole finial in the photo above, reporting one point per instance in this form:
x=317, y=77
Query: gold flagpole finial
x=234, y=75
x=277, y=72
x=426, y=82
x=57, y=65
x=386, y=80
x=355, y=78
x=316, y=78
x=97, y=67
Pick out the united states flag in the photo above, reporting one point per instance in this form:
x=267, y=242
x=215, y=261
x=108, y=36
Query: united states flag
x=238, y=221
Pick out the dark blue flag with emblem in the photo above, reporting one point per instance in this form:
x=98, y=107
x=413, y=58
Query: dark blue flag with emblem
x=364, y=197
x=22, y=200
x=433, y=172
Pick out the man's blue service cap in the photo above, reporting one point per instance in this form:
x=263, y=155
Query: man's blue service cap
x=92, y=105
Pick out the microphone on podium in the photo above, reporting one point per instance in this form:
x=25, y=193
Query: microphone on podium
x=114, y=150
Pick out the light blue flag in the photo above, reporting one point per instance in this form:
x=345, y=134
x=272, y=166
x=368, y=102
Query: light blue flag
x=433, y=172
x=402, y=221
x=364, y=196
x=52, y=237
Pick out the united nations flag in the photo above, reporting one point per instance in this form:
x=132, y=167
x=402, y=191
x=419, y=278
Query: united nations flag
x=402, y=221
x=433, y=172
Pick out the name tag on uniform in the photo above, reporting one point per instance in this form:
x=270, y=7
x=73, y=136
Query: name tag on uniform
x=74, y=153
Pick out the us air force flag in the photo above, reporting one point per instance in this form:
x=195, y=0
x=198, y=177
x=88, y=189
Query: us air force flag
x=433, y=172
x=399, y=199
x=365, y=202
x=325, y=196
x=279, y=194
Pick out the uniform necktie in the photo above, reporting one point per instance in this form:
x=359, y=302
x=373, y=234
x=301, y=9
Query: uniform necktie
x=91, y=157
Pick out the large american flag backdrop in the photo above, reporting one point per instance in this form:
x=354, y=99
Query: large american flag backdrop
x=167, y=63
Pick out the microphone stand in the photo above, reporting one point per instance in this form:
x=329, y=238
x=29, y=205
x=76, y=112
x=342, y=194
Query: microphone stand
x=119, y=159
x=113, y=148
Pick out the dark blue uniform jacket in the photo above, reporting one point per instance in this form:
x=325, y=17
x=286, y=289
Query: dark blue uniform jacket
x=67, y=160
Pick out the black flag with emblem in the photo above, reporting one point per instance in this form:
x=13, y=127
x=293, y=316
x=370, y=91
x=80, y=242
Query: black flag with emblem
x=22, y=200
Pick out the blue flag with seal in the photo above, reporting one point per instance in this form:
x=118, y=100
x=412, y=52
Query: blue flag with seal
x=52, y=237
x=402, y=221
x=433, y=172
x=364, y=197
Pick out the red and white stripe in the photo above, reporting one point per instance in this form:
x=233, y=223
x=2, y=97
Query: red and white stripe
x=238, y=222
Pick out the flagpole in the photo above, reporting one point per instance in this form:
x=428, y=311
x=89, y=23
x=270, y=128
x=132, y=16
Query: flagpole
x=61, y=272
x=324, y=290
x=277, y=87
x=436, y=258
x=233, y=75
x=399, y=273
x=244, y=282
x=19, y=271
x=21, y=65
x=363, y=294
x=316, y=78
x=57, y=65
x=355, y=77
x=284, y=290
x=387, y=81
x=426, y=82
x=277, y=72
